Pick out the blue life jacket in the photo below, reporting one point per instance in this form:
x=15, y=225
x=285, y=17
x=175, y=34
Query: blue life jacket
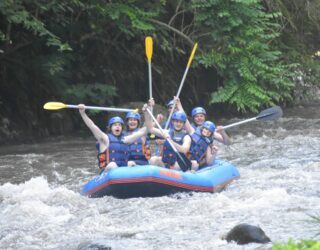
x=116, y=152
x=139, y=151
x=169, y=157
x=199, y=146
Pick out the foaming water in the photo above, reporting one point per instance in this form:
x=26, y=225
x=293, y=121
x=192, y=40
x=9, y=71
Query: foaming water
x=279, y=163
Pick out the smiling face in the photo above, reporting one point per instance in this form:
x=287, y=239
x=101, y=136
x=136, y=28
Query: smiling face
x=199, y=119
x=116, y=129
x=178, y=125
x=206, y=132
x=132, y=123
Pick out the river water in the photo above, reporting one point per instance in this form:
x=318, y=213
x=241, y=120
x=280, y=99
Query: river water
x=279, y=163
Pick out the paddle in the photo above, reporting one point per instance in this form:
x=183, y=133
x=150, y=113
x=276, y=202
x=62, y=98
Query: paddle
x=182, y=163
x=149, y=49
x=60, y=105
x=269, y=114
x=182, y=82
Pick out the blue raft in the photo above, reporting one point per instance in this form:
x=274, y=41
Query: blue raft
x=152, y=181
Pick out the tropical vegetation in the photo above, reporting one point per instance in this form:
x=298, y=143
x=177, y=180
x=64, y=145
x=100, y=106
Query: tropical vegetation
x=252, y=53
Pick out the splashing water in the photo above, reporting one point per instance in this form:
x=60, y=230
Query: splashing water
x=279, y=163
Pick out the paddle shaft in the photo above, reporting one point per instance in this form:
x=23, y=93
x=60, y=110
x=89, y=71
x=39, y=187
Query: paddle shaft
x=178, y=94
x=150, y=81
x=101, y=108
x=149, y=51
x=269, y=114
x=239, y=123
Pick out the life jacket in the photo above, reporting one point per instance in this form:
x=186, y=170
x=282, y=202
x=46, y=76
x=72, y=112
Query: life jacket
x=199, y=146
x=139, y=151
x=116, y=152
x=169, y=157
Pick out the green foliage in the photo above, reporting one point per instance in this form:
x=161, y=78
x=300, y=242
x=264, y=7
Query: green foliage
x=299, y=41
x=88, y=92
x=16, y=13
x=93, y=51
x=301, y=245
x=35, y=58
x=235, y=37
x=128, y=17
x=252, y=72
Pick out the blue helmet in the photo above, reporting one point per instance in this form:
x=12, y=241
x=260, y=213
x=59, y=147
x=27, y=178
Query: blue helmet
x=198, y=110
x=170, y=103
x=133, y=115
x=180, y=116
x=209, y=125
x=115, y=119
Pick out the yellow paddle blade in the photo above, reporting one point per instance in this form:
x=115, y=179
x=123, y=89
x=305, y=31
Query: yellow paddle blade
x=136, y=111
x=149, y=47
x=54, y=105
x=192, y=54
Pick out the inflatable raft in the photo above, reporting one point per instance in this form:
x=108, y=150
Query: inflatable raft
x=152, y=181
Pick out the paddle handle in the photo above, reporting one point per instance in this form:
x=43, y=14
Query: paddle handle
x=239, y=123
x=102, y=108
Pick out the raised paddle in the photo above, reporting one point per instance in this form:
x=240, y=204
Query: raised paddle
x=149, y=49
x=269, y=114
x=182, y=82
x=184, y=166
x=60, y=105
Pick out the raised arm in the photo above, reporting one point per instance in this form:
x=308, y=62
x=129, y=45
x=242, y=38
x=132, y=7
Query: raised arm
x=190, y=130
x=135, y=136
x=148, y=120
x=147, y=117
x=221, y=136
x=98, y=134
x=211, y=154
x=185, y=147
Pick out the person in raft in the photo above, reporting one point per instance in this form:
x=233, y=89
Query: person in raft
x=199, y=116
x=139, y=150
x=162, y=121
x=177, y=136
x=113, y=145
x=202, y=150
